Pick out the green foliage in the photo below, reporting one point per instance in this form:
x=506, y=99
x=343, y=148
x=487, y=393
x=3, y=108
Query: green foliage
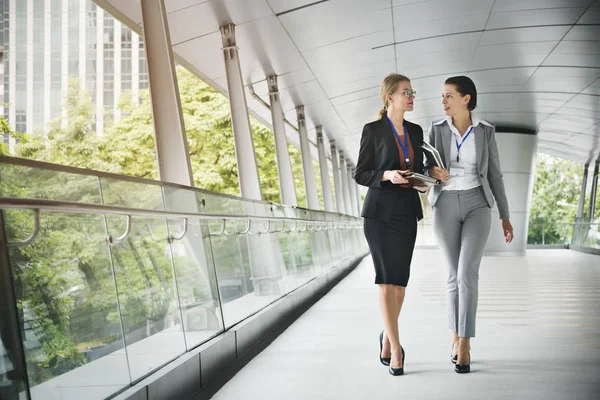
x=555, y=198
x=64, y=280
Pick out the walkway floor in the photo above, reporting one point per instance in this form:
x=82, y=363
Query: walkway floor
x=538, y=337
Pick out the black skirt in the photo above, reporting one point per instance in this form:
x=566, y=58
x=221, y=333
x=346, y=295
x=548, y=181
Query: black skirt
x=392, y=244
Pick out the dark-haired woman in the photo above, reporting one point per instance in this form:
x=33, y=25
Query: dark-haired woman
x=462, y=205
x=389, y=148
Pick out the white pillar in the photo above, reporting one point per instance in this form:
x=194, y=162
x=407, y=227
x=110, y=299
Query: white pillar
x=240, y=122
x=312, y=198
x=284, y=164
x=517, y=159
x=324, y=168
x=171, y=142
x=337, y=179
x=358, y=198
x=593, y=193
x=351, y=190
x=345, y=189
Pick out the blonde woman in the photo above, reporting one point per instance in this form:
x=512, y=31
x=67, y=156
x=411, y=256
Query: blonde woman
x=389, y=148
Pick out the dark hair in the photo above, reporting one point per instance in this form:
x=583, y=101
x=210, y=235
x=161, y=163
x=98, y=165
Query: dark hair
x=465, y=86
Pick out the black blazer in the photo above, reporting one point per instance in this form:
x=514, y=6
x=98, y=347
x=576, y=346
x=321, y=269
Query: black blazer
x=379, y=153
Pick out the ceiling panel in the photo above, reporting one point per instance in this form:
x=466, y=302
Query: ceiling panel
x=327, y=25
x=517, y=35
x=205, y=53
x=583, y=33
x=266, y=49
x=591, y=16
x=284, y=81
x=279, y=6
x=439, y=17
x=594, y=88
x=553, y=16
x=511, y=54
x=176, y=5
x=331, y=56
x=521, y=5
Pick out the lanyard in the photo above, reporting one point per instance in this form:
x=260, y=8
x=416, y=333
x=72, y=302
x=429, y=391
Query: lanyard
x=458, y=146
x=398, y=140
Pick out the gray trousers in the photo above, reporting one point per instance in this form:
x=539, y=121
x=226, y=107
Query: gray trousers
x=461, y=220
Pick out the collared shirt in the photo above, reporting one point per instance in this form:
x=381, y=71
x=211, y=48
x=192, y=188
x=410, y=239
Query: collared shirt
x=465, y=174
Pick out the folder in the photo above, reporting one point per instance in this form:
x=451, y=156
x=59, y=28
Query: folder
x=434, y=154
x=421, y=180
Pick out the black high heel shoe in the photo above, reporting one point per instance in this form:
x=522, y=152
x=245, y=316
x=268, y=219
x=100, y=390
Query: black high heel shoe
x=384, y=361
x=454, y=359
x=463, y=368
x=398, y=371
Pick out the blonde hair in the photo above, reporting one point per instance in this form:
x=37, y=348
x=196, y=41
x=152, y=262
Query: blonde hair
x=388, y=86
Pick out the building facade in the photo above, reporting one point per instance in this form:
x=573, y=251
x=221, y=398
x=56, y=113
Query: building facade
x=45, y=43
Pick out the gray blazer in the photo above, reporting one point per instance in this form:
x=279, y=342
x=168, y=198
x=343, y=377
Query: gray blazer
x=488, y=162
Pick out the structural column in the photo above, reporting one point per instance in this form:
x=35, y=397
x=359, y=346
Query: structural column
x=324, y=168
x=345, y=188
x=265, y=255
x=240, y=122
x=351, y=191
x=312, y=198
x=593, y=193
x=357, y=193
x=337, y=178
x=580, y=208
x=171, y=142
x=517, y=159
x=284, y=164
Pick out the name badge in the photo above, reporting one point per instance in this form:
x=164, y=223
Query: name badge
x=457, y=172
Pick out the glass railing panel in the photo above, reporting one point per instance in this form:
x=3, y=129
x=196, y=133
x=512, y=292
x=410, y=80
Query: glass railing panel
x=548, y=231
x=249, y=268
x=68, y=306
x=225, y=205
x=39, y=183
x=196, y=281
x=126, y=193
x=147, y=293
x=587, y=234
x=300, y=247
x=182, y=200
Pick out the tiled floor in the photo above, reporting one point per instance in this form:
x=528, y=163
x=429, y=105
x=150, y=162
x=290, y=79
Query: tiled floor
x=538, y=337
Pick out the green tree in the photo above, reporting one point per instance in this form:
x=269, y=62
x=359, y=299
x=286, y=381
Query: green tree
x=554, y=202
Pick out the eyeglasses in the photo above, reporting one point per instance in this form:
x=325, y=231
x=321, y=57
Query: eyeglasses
x=407, y=92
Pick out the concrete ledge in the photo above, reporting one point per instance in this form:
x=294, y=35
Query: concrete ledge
x=588, y=250
x=201, y=372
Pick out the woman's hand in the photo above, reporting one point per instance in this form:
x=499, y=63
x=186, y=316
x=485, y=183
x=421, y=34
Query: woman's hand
x=395, y=177
x=508, y=230
x=439, y=173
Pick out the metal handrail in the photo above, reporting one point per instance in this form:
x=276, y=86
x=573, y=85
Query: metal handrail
x=91, y=208
x=155, y=183
x=8, y=203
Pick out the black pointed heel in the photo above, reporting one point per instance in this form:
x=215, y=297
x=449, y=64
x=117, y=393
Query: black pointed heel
x=398, y=371
x=384, y=361
x=463, y=368
x=454, y=359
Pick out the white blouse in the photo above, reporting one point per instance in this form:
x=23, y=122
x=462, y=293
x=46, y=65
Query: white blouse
x=463, y=173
